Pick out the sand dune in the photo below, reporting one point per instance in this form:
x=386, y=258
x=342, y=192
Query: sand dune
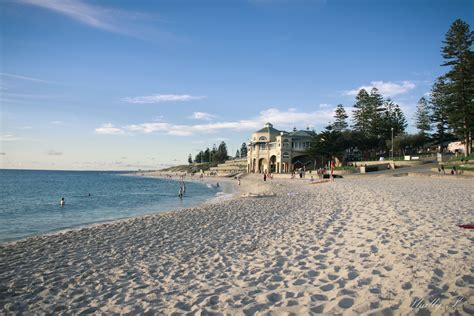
x=355, y=246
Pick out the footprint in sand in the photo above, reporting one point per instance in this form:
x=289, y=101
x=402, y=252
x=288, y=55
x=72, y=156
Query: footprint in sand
x=327, y=287
x=406, y=286
x=274, y=297
x=318, y=309
x=346, y=302
x=352, y=275
x=318, y=297
x=438, y=272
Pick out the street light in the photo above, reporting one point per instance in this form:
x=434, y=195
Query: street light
x=392, y=143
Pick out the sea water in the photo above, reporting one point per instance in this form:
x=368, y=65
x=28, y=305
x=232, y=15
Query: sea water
x=29, y=199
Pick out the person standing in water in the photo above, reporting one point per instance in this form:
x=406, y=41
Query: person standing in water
x=62, y=202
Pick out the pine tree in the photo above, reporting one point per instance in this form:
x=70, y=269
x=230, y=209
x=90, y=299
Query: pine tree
x=361, y=114
x=340, y=115
x=399, y=120
x=198, y=158
x=439, y=112
x=460, y=84
x=243, y=150
x=368, y=113
x=422, y=117
x=222, y=152
x=393, y=117
x=190, y=159
x=237, y=154
x=207, y=155
x=213, y=154
x=376, y=110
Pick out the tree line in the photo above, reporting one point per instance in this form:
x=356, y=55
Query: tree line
x=218, y=154
x=446, y=115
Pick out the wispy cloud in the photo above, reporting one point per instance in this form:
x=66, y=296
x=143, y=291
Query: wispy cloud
x=325, y=105
x=159, y=98
x=53, y=153
x=388, y=88
x=88, y=14
x=57, y=122
x=109, y=129
x=203, y=116
x=8, y=138
x=283, y=119
x=2, y=74
x=123, y=22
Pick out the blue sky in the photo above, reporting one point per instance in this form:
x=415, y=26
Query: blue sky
x=141, y=84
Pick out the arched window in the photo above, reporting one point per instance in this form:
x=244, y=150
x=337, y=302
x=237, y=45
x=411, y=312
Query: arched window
x=262, y=138
x=286, y=155
x=286, y=143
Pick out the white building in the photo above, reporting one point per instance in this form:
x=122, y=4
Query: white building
x=274, y=151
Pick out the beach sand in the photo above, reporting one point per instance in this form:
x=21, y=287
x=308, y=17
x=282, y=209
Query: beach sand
x=382, y=246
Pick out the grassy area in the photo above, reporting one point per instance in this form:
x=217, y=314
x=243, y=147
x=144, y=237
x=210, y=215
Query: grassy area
x=464, y=168
x=470, y=158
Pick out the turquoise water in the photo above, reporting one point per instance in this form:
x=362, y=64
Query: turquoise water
x=29, y=199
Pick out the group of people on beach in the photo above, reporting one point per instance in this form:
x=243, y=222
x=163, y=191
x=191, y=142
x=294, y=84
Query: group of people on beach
x=454, y=171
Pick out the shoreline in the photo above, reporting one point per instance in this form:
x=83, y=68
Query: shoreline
x=352, y=246
x=228, y=189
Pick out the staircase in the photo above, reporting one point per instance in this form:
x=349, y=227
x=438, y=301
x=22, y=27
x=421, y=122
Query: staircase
x=231, y=168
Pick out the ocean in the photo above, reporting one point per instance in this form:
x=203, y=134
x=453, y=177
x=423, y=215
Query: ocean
x=29, y=199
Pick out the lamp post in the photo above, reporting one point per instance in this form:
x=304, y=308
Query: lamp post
x=392, y=143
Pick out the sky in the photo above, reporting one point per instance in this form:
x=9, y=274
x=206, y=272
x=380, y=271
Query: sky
x=111, y=85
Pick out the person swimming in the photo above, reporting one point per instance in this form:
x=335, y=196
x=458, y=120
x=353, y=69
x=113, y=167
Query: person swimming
x=62, y=202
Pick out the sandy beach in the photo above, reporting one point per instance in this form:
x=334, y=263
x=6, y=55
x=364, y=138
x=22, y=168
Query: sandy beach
x=383, y=246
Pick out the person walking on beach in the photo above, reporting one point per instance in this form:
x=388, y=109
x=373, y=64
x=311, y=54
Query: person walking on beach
x=332, y=170
x=454, y=171
x=264, y=177
x=62, y=202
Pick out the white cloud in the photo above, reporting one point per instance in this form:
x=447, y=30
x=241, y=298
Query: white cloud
x=57, y=122
x=282, y=119
x=91, y=15
x=54, y=153
x=325, y=105
x=23, y=78
x=109, y=129
x=203, y=116
x=291, y=117
x=8, y=138
x=147, y=128
x=387, y=89
x=159, y=98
